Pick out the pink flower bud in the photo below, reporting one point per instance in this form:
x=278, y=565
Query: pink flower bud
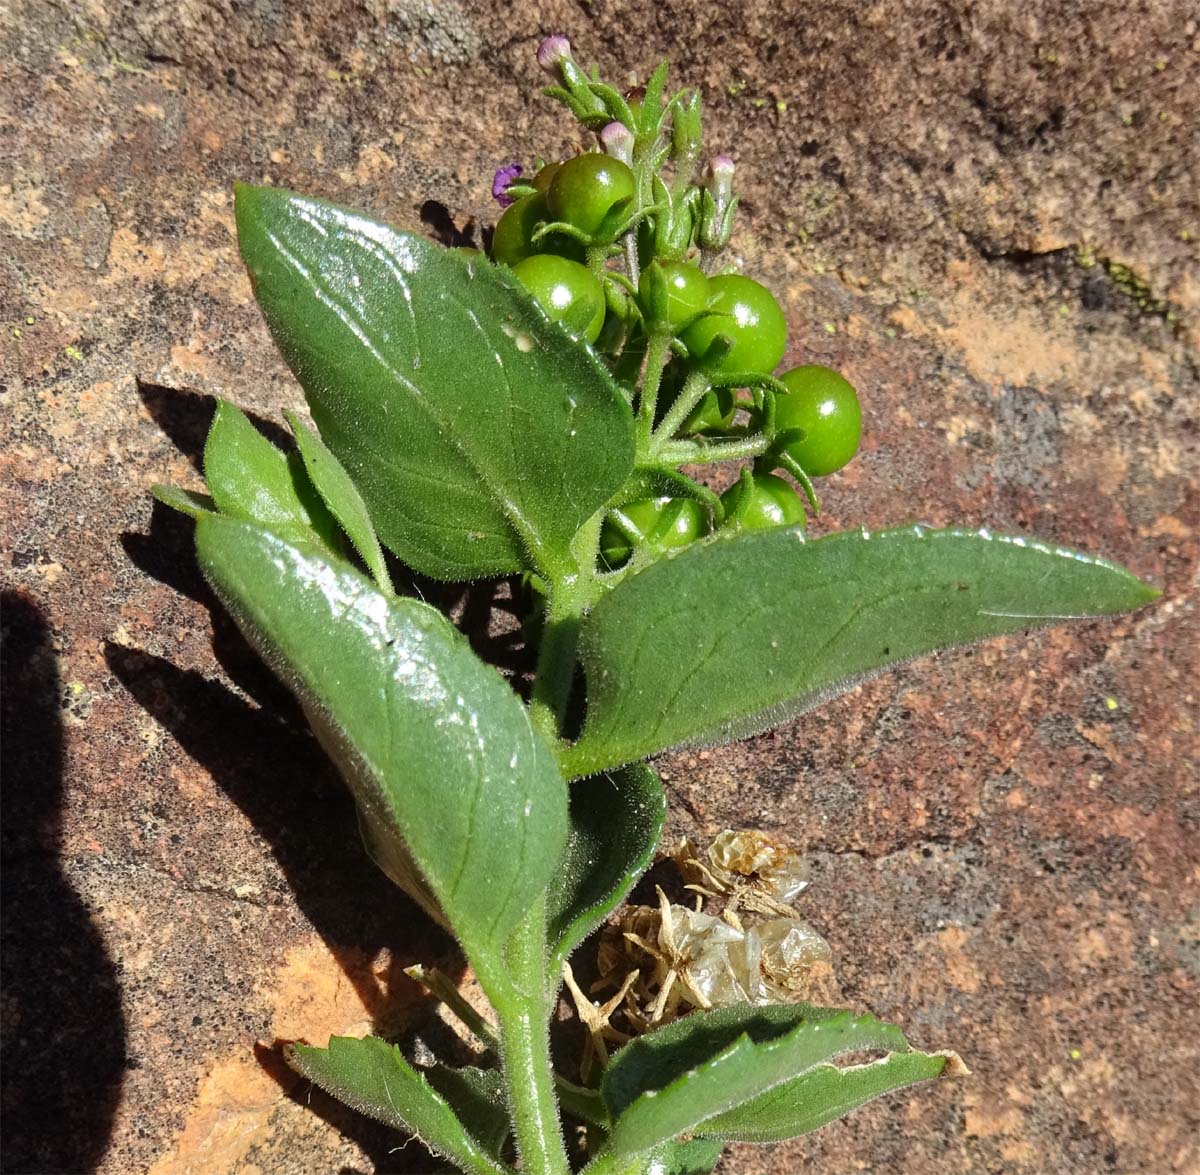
x=721, y=165
x=552, y=52
x=617, y=141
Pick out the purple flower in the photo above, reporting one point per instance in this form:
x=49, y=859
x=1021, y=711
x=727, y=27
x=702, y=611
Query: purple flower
x=506, y=175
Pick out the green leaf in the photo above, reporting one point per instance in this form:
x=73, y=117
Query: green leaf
x=341, y=495
x=435, y=746
x=616, y=820
x=373, y=1077
x=702, y=1073
x=250, y=479
x=696, y=1156
x=480, y=436
x=737, y=634
x=479, y=1100
x=826, y=1094
x=187, y=502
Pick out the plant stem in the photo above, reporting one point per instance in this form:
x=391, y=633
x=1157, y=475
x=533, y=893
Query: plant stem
x=711, y=452
x=694, y=387
x=555, y=665
x=568, y=599
x=584, y=1103
x=658, y=348
x=525, y=1040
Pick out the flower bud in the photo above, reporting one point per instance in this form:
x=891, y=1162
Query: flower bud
x=551, y=54
x=717, y=205
x=617, y=141
x=718, y=178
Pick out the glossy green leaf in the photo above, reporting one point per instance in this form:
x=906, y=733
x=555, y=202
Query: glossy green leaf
x=737, y=634
x=373, y=1078
x=435, y=746
x=341, y=496
x=249, y=478
x=701, y=1072
x=480, y=436
x=187, y=502
x=615, y=823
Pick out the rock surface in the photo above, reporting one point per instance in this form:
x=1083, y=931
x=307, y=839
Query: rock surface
x=985, y=215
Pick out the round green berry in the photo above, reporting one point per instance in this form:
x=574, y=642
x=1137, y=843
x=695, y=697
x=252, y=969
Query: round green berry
x=826, y=407
x=761, y=500
x=586, y=189
x=512, y=240
x=661, y=524
x=672, y=293
x=747, y=314
x=567, y=291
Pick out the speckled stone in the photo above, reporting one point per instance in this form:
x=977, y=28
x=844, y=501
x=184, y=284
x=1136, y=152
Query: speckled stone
x=985, y=215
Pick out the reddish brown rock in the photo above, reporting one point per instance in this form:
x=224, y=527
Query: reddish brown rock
x=986, y=216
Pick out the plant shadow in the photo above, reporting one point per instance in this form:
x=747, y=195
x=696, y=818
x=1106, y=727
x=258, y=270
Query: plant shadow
x=63, y=1031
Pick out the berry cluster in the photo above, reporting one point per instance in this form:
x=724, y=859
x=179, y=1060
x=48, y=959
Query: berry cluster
x=623, y=247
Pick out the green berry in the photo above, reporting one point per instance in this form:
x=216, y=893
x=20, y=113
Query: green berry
x=662, y=524
x=585, y=190
x=826, y=407
x=512, y=240
x=761, y=500
x=672, y=293
x=747, y=314
x=567, y=291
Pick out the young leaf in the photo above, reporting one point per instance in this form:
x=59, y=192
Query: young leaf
x=252, y=480
x=187, y=502
x=706, y=1069
x=341, y=495
x=480, y=436
x=735, y=635
x=373, y=1078
x=435, y=746
x=616, y=820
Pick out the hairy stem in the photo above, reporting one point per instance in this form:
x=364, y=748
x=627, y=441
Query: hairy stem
x=696, y=384
x=711, y=452
x=658, y=348
x=555, y=664
x=525, y=1040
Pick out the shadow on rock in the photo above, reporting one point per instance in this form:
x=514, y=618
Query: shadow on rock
x=63, y=1029
x=273, y=769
